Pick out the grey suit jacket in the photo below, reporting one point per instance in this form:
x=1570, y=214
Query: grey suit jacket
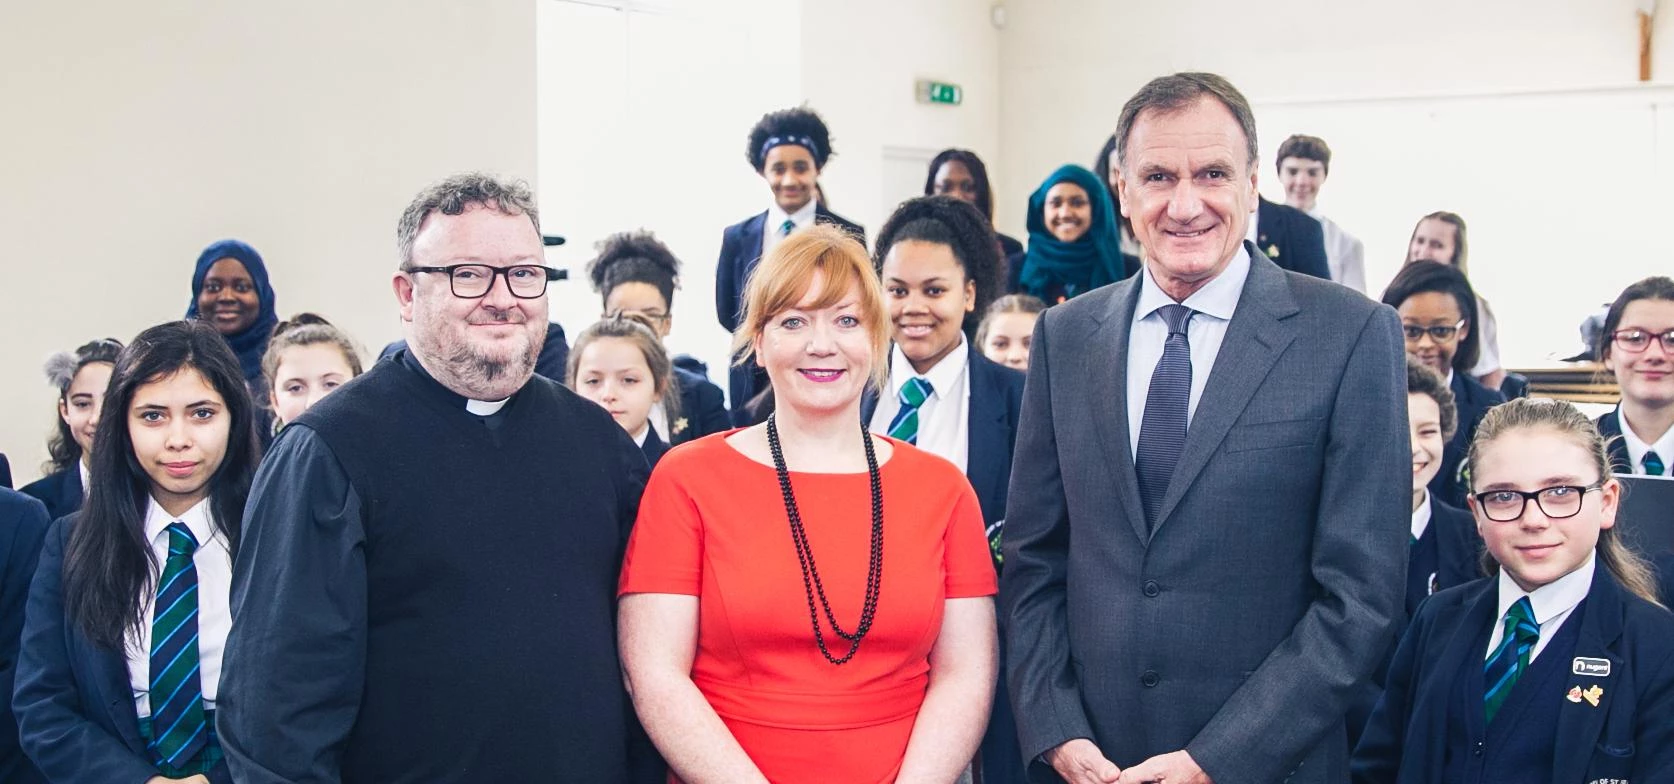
x=1240, y=629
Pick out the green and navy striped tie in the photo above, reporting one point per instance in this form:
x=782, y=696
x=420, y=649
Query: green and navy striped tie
x=1512, y=657
x=178, y=729
x=905, y=424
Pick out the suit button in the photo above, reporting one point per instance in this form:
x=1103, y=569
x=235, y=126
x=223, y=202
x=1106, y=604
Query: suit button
x=1149, y=679
x=1151, y=589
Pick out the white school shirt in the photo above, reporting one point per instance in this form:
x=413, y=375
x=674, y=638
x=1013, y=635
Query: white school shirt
x=1552, y=603
x=943, y=419
x=1421, y=517
x=1214, y=303
x=214, y=566
x=776, y=216
x=1637, y=447
x=1345, y=254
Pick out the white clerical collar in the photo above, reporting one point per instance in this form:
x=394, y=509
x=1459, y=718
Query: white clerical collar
x=1560, y=595
x=1421, y=516
x=1218, y=297
x=157, y=520
x=803, y=217
x=943, y=376
x=485, y=407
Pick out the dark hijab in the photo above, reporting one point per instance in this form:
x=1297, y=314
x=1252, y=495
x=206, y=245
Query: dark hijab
x=1094, y=259
x=250, y=344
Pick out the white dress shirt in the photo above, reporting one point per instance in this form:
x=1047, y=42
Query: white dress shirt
x=1214, y=303
x=1345, y=254
x=214, y=565
x=1637, y=447
x=1552, y=603
x=803, y=218
x=1421, y=516
x=943, y=420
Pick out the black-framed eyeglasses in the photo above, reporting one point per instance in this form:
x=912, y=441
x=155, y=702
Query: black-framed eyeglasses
x=1556, y=502
x=472, y=281
x=1634, y=341
x=654, y=316
x=1440, y=334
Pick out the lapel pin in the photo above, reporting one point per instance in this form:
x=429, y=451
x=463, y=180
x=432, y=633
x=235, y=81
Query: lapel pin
x=1597, y=668
x=1574, y=694
x=679, y=426
x=1592, y=695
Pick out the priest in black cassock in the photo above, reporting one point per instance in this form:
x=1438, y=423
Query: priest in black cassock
x=425, y=582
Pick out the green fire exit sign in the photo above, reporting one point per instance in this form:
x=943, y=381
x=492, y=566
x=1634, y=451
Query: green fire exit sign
x=939, y=92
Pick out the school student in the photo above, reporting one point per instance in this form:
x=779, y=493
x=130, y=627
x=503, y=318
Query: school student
x=788, y=149
x=23, y=525
x=1444, y=549
x=1439, y=319
x=1007, y=329
x=1559, y=667
x=620, y=364
x=80, y=379
x=940, y=267
x=635, y=273
x=127, y=617
x=1637, y=345
x=307, y=358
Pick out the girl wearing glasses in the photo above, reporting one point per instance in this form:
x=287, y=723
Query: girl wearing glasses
x=1439, y=317
x=1637, y=344
x=1558, y=668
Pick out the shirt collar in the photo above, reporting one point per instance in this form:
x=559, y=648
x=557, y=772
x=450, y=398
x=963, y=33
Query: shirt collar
x=1560, y=595
x=86, y=477
x=1421, y=516
x=776, y=215
x=479, y=407
x=196, y=519
x=943, y=376
x=1636, y=446
x=1217, y=298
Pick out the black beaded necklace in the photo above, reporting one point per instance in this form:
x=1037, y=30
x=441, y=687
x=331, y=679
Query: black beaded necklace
x=805, y=555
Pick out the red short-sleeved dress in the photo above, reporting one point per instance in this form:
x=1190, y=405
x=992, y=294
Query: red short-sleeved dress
x=712, y=524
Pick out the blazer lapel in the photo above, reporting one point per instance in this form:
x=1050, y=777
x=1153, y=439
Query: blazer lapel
x=110, y=674
x=986, y=432
x=1580, y=721
x=750, y=243
x=1109, y=392
x=1429, y=708
x=1255, y=339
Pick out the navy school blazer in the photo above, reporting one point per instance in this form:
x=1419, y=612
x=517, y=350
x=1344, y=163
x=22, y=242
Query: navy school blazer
x=23, y=526
x=1610, y=426
x=740, y=250
x=702, y=406
x=75, y=709
x=1627, y=737
x=1458, y=545
x=60, y=491
x=1292, y=239
x=996, y=403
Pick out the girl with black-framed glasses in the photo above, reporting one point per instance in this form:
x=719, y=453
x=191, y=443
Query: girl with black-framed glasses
x=1558, y=667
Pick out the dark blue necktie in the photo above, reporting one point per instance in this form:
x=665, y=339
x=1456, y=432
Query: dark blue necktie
x=1501, y=671
x=1162, y=433
x=1653, y=463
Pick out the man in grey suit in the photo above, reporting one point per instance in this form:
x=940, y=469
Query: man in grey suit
x=1198, y=579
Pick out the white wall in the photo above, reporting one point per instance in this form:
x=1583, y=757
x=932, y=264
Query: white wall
x=645, y=107
x=135, y=134
x=1523, y=116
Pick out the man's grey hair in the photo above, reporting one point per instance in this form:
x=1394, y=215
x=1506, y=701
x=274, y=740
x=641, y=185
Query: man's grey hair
x=452, y=195
x=1168, y=94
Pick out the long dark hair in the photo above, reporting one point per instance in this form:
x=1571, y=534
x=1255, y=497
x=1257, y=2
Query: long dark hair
x=979, y=177
x=108, y=565
x=61, y=369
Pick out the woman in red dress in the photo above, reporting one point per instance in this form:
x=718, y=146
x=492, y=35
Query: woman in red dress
x=803, y=601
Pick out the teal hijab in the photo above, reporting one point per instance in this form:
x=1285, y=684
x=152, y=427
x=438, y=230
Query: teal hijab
x=1094, y=259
